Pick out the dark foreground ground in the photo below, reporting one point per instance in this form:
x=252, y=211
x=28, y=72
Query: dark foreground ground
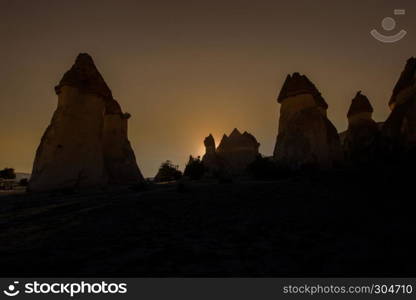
x=338, y=224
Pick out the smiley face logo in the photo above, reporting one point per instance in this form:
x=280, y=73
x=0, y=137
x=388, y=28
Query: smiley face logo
x=389, y=24
x=12, y=290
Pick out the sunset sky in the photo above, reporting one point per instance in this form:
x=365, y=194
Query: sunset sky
x=184, y=69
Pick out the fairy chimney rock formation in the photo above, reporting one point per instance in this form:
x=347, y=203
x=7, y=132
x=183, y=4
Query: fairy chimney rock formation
x=400, y=127
x=209, y=143
x=361, y=140
x=360, y=109
x=234, y=153
x=77, y=149
x=406, y=80
x=305, y=135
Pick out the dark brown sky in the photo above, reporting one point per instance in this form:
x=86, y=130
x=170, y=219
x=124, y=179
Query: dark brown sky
x=185, y=69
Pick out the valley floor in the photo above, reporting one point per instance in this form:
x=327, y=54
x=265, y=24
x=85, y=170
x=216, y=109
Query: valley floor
x=341, y=224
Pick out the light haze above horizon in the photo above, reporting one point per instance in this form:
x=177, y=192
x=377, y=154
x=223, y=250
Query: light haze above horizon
x=185, y=69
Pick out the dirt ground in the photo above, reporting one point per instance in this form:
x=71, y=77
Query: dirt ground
x=338, y=224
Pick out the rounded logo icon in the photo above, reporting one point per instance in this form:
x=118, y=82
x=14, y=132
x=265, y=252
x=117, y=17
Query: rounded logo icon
x=389, y=24
x=11, y=290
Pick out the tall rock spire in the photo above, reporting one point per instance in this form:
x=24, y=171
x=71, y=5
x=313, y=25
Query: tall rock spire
x=406, y=80
x=360, y=104
x=86, y=143
x=361, y=140
x=209, y=143
x=399, y=130
x=305, y=135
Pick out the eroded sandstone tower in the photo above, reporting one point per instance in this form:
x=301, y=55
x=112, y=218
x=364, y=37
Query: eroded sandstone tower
x=305, y=135
x=361, y=143
x=86, y=143
x=400, y=127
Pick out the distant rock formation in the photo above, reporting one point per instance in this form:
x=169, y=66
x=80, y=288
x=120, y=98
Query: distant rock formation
x=238, y=150
x=234, y=153
x=400, y=127
x=211, y=160
x=86, y=143
x=361, y=141
x=305, y=135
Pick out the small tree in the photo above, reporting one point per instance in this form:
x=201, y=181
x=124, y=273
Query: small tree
x=7, y=173
x=168, y=172
x=194, y=168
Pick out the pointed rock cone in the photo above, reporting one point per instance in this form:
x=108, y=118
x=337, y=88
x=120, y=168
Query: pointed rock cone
x=305, y=135
x=361, y=142
x=71, y=153
x=360, y=107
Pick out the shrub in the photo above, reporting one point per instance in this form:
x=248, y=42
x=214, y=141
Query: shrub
x=168, y=172
x=194, y=168
x=7, y=173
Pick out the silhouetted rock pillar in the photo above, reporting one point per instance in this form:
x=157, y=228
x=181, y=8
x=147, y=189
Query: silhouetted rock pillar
x=305, y=135
x=71, y=153
x=210, y=159
x=209, y=143
x=361, y=143
x=399, y=130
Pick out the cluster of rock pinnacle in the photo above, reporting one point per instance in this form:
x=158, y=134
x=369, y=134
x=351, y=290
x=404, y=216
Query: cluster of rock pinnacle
x=306, y=137
x=86, y=143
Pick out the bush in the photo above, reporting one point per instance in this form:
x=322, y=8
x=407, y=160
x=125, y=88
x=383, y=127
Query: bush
x=7, y=173
x=168, y=172
x=195, y=168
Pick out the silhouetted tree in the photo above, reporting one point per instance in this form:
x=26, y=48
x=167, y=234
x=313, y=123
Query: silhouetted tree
x=194, y=168
x=7, y=173
x=168, y=172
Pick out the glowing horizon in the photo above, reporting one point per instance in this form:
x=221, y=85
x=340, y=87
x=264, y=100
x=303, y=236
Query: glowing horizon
x=193, y=68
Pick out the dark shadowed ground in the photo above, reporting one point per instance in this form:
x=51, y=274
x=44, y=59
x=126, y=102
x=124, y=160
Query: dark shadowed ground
x=338, y=224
